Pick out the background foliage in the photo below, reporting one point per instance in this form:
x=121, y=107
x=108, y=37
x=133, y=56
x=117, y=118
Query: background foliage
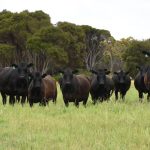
x=30, y=36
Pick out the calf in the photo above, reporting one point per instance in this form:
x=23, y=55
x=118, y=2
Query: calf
x=122, y=83
x=42, y=89
x=139, y=82
x=101, y=85
x=75, y=88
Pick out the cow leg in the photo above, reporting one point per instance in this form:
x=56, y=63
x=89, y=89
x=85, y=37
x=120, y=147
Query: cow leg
x=3, y=98
x=43, y=102
x=27, y=98
x=23, y=100
x=116, y=95
x=107, y=97
x=85, y=101
x=77, y=103
x=31, y=103
x=94, y=99
x=123, y=95
x=18, y=98
x=66, y=102
x=55, y=97
x=11, y=99
x=140, y=96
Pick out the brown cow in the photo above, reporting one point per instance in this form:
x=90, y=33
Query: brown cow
x=42, y=89
x=75, y=88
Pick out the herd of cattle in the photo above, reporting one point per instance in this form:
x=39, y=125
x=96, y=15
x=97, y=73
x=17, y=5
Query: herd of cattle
x=19, y=83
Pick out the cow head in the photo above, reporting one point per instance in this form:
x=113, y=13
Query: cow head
x=22, y=69
x=67, y=78
x=121, y=76
x=36, y=79
x=22, y=74
x=36, y=85
x=101, y=76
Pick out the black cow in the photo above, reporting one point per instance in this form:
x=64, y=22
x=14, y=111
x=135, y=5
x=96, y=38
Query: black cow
x=75, y=88
x=101, y=85
x=14, y=81
x=122, y=83
x=42, y=89
x=139, y=82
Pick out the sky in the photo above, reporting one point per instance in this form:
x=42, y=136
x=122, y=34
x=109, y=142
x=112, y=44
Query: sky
x=123, y=18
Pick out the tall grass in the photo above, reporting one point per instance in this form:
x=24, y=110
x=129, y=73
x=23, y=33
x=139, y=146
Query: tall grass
x=113, y=125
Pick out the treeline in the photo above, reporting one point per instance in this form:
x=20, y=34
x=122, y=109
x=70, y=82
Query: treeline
x=30, y=36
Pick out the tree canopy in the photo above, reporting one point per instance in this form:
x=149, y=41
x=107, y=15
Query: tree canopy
x=30, y=36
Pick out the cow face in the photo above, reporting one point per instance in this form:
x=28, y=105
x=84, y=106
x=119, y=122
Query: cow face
x=36, y=85
x=22, y=75
x=101, y=76
x=121, y=76
x=22, y=69
x=68, y=75
x=36, y=79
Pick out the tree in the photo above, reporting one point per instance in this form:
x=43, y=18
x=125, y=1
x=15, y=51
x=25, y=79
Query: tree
x=16, y=28
x=76, y=46
x=6, y=54
x=46, y=49
x=133, y=55
x=94, y=50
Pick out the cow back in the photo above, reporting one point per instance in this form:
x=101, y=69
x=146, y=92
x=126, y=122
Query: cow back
x=84, y=85
x=139, y=83
x=50, y=87
x=6, y=76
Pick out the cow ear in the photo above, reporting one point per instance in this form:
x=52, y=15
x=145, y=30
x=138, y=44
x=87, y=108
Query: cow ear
x=107, y=72
x=75, y=71
x=14, y=65
x=30, y=65
x=93, y=71
x=44, y=75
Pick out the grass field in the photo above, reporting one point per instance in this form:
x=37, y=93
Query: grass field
x=110, y=126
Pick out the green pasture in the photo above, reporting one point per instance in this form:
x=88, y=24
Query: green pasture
x=105, y=126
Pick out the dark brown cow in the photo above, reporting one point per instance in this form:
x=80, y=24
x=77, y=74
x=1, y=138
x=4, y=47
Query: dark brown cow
x=75, y=88
x=42, y=89
x=102, y=86
x=139, y=82
x=147, y=82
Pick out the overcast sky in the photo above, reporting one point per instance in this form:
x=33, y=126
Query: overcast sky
x=123, y=18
